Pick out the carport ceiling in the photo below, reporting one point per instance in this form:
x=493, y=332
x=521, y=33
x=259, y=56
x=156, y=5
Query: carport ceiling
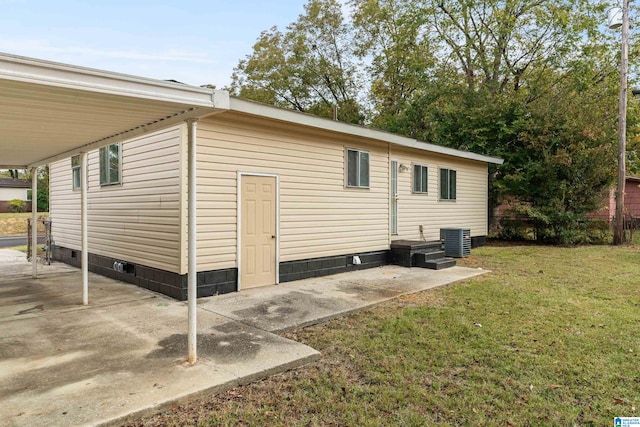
x=50, y=111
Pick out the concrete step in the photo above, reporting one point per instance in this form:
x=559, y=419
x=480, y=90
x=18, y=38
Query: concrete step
x=425, y=255
x=439, y=264
x=403, y=252
x=415, y=245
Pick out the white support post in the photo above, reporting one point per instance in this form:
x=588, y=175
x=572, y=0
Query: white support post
x=83, y=231
x=192, y=290
x=34, y=223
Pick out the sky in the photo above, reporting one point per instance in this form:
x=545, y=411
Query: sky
x=192, y=41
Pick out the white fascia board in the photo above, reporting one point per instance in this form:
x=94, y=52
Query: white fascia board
x=267, y=111
x=29, y=70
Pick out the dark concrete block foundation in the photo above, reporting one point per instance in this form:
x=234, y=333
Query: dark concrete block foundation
x=478, y=241
x=162, y=281
x=217, y=282
x=317, y=267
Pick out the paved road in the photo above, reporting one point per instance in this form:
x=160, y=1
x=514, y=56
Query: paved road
x=8, y=242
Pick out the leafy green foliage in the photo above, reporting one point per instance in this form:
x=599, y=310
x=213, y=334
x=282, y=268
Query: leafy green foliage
x=17, y=205
x=309, y=67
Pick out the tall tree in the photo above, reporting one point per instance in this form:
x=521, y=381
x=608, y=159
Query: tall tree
x=309, y=67
x=392, y=36
x=498, y=43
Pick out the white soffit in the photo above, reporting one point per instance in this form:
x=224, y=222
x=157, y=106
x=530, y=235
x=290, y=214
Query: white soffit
x=267, y=111
x=50, y=111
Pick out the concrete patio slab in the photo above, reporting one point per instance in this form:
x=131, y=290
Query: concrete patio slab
x=64, y=364
x=124, y=355
x=304, y=302
x=13, y=264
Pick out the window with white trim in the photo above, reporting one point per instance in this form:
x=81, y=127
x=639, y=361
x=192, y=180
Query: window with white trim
x=447, y=184
x=75, y=172
x=420, y=178
x=357, y=168
x=110, y=159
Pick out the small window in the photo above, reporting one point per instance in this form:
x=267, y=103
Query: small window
x=29, y=195
x=447, y=184
x=420, y=179
x=110, y=157
x=357, y=168
x=75, y=172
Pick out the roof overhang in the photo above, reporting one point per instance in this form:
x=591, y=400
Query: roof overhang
x=50, y=111
x=267, y=111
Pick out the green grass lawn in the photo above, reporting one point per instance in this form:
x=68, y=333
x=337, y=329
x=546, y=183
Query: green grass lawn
x=550, y=338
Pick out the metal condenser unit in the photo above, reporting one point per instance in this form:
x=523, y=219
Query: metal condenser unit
x=457, y=242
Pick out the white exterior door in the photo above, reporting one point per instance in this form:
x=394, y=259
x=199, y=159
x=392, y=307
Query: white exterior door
x=258, y=231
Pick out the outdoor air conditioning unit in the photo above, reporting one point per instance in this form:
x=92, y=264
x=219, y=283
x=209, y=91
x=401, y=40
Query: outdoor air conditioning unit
x=457, y=242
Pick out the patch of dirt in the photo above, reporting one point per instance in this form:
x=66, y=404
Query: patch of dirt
x=16, y=224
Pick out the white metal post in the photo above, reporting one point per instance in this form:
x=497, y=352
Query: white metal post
x=34, y=223
x=83, y=226
x=192, y=290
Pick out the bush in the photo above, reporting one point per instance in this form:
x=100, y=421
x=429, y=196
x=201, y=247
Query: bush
x=524, y=222
x=17, y=206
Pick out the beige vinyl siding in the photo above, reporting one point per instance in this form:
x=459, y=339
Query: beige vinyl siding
x=139, y=220
x=64, y=206
x=469, y=210
x=319, y=216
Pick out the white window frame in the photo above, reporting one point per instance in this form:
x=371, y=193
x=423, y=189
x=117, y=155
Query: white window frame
x=76, y=168
x=104, y=159
x=448, y=187
x=424, y=169
x=394, y=172
x=358, y=166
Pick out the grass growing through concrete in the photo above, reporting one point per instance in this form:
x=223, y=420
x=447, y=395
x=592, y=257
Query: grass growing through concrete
x=14, y=224
x=551, y=337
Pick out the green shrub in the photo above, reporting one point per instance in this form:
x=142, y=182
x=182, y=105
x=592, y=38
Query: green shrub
x=524, y=222
x=17, y=206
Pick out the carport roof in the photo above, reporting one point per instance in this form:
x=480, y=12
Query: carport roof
x=50, y=111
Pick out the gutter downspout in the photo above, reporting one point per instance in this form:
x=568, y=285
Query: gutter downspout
x=192, y=290
x=34, y=222
x=83, y=228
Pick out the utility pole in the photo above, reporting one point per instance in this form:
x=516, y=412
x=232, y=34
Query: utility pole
x=618, y=233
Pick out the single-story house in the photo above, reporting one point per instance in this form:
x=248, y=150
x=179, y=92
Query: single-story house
x=281, y=196
x=257, y=195
x=14, y=189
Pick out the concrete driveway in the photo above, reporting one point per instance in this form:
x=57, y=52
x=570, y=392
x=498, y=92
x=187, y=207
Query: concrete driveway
x=124, y=355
